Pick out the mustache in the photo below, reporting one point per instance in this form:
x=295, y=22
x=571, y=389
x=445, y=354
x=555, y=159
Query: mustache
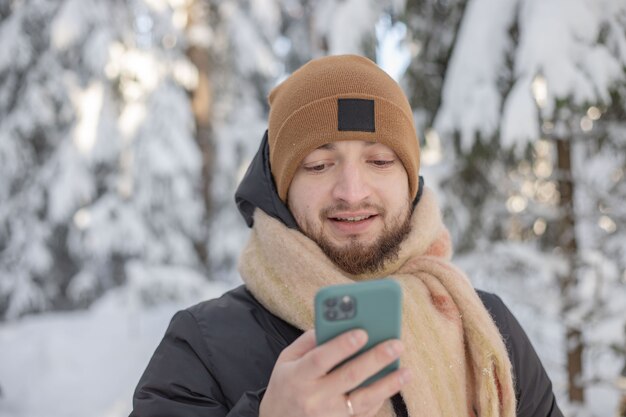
x=327, y=212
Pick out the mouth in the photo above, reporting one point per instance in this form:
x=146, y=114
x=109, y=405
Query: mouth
x=352, y=224
x=352, y=219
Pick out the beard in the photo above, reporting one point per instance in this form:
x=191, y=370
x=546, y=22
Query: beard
x=356, y=257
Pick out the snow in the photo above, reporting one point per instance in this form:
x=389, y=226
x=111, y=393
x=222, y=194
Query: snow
x=117, y=170
x=14, y=48
x=392, y=55
x=69, y=26
x=332, y=21
x=85, y=363
x=520, y=117
x=564, y=49
x=73, y=186
x=252, y=49
x=477, y=61
x=522, y=277
x=333, y=18
x=557, y=40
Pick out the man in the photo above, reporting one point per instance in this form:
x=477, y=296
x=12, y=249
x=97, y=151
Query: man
x=334, y=196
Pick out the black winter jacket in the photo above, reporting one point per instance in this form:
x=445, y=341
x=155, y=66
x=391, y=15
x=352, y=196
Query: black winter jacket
x=216, y=357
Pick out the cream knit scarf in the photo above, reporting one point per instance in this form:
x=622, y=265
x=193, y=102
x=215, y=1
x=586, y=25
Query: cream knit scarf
x=455, y=351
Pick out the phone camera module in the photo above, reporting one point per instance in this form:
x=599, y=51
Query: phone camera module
x=346, y=304
x=339, y=308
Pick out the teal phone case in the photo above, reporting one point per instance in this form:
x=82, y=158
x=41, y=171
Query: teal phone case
x=377, y=309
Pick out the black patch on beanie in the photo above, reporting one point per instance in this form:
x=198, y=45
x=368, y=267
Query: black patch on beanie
x=355, y=114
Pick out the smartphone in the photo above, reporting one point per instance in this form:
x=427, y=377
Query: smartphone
x=374, y=306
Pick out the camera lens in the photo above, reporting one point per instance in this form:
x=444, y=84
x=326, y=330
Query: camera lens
x=330, y=302
x=331, y=315
x=346, y=304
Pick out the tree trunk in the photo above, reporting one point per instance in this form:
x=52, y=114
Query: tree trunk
x=569, y=281
x=621, y=386
x=202, y=106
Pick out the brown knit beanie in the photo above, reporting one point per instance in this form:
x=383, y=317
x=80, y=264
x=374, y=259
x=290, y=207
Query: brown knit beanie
x=337, y=98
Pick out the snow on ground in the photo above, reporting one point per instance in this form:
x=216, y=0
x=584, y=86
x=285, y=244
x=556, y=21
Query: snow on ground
x=84, y=363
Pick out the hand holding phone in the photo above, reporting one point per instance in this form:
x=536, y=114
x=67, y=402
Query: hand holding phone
x=374, y=306
x=321, y=374
x=306, y=382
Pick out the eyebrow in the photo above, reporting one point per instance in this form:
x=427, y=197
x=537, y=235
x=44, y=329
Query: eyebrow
x=331, y=146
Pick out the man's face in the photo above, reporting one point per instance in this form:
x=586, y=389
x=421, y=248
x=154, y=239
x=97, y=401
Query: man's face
x=352, y=199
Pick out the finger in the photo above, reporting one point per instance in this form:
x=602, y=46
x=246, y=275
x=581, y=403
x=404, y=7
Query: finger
x=298, y=347
x=369, y=399
x=367, y=364
x=319, y=361
x=373, y=411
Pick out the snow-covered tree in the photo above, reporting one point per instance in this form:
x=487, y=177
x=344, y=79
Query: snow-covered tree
x=101, y=174
x=545, y=80
x=244, y=65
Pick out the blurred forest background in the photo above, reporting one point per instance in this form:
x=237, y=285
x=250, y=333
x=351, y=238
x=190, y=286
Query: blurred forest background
x=125, y=126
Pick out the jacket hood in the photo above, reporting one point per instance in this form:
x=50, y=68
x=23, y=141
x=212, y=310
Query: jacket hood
x=257, y=189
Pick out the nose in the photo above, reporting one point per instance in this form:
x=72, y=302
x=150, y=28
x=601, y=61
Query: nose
x=351, y=185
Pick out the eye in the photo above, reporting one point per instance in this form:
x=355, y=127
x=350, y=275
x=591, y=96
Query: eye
x=382, y=163
x=321, y=167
